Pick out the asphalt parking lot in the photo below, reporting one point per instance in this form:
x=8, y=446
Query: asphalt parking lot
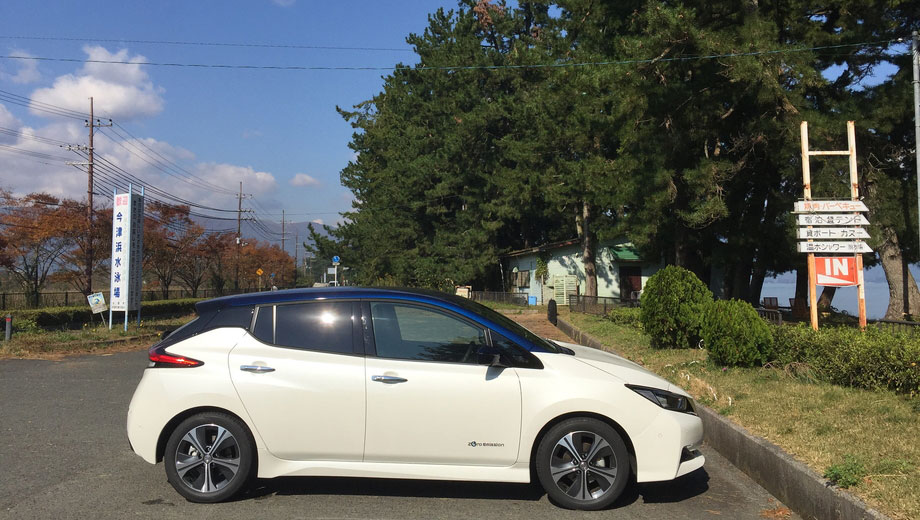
x=64, y=454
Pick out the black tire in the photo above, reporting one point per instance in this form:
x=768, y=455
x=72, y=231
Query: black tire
x=205, y=472
x=594, y=476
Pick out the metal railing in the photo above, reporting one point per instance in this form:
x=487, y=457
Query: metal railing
x=910, y=327
x=598, y=305
x=499, y=297
x=20, y=300
x=773, y=316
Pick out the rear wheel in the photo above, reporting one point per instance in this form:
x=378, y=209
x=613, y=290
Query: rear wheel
x=209, y=457
x=582, y=463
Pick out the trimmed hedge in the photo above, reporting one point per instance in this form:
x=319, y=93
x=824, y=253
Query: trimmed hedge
x=735, y=335
x=51, y=317
x=873, y=359
x=672, y=306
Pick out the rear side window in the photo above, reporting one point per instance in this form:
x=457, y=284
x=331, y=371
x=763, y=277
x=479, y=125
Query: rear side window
x=324, y=326
x=412, y=332
x=265, y=324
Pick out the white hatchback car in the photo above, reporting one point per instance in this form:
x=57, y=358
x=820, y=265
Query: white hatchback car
x=400, y=384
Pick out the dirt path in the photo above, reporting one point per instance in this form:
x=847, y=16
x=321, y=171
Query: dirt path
x=538, y=324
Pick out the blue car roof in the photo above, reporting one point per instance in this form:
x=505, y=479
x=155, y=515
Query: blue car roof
x=458, y=304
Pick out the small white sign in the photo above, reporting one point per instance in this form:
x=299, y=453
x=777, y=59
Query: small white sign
x=97, y=302
x=832, y=233
x=854, y=246
x=330, y=270
x=829, y=206
x=818, y=219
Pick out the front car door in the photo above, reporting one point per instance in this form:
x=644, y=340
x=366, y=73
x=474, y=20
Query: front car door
x=428, y=400
x=300, y=375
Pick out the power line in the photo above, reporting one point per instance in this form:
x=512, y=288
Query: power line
x=558, y=64
x=39, y=106
x=209, y=44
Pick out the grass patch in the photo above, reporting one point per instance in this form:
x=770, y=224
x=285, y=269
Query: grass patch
x=863, y=438
x=52, y=344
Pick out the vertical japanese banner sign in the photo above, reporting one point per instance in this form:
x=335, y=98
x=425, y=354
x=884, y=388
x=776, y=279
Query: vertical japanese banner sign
x=127, y=252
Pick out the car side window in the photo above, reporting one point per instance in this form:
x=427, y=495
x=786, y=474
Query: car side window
x=323, y=326
x=404, y=331
x=264, y=328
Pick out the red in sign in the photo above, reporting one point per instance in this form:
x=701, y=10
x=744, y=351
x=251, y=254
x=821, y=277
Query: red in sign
x=838, y=271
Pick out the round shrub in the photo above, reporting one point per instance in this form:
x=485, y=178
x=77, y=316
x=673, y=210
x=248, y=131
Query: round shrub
x=672, y=306
x=735, y=335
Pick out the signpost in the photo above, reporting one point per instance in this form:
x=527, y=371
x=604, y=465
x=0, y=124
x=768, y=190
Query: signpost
x=127, y=254
x=845, y=237
x=335, y=263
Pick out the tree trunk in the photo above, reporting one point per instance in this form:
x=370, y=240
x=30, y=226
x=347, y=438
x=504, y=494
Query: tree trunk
x=826, y=298
x=589, y=248
x=759, y=274
x=902, y=289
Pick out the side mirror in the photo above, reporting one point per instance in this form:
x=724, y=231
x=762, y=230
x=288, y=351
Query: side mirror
x=492, y=357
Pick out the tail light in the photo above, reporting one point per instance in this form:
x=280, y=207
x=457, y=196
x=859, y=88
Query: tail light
x=159, y=358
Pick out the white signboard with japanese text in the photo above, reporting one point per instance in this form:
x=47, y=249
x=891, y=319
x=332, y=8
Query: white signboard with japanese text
x=817, y=219
x=852, y=246
x=830, y=206
x=832, y=233
x=127, y=252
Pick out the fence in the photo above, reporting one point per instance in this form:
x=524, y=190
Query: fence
x=910, y=327
x=773, y=316
x=20, y=300
x=499, y=297
x=598, y=305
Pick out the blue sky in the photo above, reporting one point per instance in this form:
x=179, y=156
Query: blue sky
x=225, y=125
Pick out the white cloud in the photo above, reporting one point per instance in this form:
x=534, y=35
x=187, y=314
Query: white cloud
x=284, y=3
x=302, y=179
x=28, y=69
x=229, y=176
x=119, y=91
x=317, y=221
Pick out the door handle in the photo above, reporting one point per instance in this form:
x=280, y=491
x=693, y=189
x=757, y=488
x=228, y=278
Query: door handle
x=390, y=380
x=258, y=369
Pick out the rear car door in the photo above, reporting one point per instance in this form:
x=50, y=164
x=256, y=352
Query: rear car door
x=428, y=401
x=300, y=375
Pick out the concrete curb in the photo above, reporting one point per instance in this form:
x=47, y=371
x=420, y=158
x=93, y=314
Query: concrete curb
x=792, y=482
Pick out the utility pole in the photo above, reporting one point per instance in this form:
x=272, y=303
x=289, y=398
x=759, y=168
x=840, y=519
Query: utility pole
x=296, y=247
x=915, y=59
x=92, y=124
x=282, y=246
x=239, y=237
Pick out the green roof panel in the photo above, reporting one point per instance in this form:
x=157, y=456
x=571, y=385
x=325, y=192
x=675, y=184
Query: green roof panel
x=625, y=253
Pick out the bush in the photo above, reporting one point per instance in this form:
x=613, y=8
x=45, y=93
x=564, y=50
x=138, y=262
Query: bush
x=735, y=335
x=626, y=316
x=873, y=359
x=51, y=317
x=672, y=306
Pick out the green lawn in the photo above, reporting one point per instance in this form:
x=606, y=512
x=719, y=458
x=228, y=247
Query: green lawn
x=870, y=436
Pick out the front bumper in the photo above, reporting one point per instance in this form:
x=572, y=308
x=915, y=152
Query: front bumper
x=669, y=447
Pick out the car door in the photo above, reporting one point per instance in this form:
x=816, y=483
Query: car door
x=300, y=375
x=428, y=401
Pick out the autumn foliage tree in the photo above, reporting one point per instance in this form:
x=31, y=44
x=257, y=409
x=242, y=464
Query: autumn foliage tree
x=33, y=239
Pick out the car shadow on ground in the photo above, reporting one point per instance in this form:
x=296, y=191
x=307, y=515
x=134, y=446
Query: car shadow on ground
x=683, y=488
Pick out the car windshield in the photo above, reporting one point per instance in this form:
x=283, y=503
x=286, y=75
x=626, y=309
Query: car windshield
x=506, y=322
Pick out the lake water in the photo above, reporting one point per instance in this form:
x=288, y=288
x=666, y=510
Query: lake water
x=845, y=299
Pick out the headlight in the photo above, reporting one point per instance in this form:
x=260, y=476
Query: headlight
x=664, y=399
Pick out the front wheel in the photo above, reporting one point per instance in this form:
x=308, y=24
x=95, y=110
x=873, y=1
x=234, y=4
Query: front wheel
x=209, y=457
x=582, y=463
